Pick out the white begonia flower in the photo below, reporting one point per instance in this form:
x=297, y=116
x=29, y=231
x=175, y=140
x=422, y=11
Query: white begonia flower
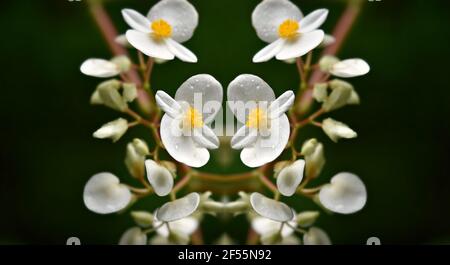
x=114, y=130
x=105, y=68
x=184, y=127
x=344, y=194
x=178, y=209
x=173, y=220
x=266, y=130
x=281, y=23
x=168, y=23
x=316, y=236
x=290, y=177
x=104, y=194
x=336, y=130
x=133, y=236
x=159, y=177
x=271, y=209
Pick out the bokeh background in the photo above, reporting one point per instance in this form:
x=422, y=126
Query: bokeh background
x=48, y=153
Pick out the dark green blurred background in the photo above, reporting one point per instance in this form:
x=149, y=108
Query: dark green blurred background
x=48, y=153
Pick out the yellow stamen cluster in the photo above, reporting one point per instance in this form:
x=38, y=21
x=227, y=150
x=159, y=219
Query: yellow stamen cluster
x=288, y=29
x=257, y=118
x=193, y=118
x=161, y=29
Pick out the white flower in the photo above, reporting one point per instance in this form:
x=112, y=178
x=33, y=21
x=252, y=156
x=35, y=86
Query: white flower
x=159, y=177
x=173, y=221
x=104, y=194
x=314, y=157
x=103, y=68
x=344, y=194
x=114, y=130
x=281, y=23
x=316, y=236
x=133, y=236
x=184, y=128
x=266, y=130
x=159, y=35
x=336, y=129
x=271, y=209
x=290, y=177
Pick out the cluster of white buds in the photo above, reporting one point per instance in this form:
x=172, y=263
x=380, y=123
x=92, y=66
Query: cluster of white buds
x=181, y=126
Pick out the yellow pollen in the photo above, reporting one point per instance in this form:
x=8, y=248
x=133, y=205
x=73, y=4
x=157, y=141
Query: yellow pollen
x=193, y=118
x=161, y=29
x=288, y=29
x=257, y=118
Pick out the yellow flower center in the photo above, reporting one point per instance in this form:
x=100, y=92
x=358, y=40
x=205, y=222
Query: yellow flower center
x=288, y=29
x=161, y=29
x=192, y=118
x=257, y=118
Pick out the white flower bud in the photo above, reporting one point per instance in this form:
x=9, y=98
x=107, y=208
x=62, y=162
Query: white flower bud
x=104, y=194
x=327, y=40
x=271, y=209
x=110, y=96
x=114, y=130
x=344, y=194
x=135, y=161
x=129, y=92
x=320, y=92
x=133, y=236
x=336, y=130
x=327, y=62
x=122, y=40
x=290, y=177
x=142, y=218
x=307, y=218
x=140, y=146
x=159, y=177
x=271, y=238
x=350, y=68
x=123, y=62
x=314, y=157
x=339, y=96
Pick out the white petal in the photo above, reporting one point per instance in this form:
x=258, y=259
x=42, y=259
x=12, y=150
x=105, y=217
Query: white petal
x=301, y=45
x=313, y=20
x=180, y=51
x=269, y=14
x=104, y=194
x=336, y=130
x=178, y=209
x=246, y=89
x=99, y=68
x=168, y=104
x=145, y=43
x=264, y=226
x=267, y=149
x=272, y=209
x=282, y=104
x=206, y=137
x=316, y=236
x=136, y=21
x=199, y=91
x=133, y=236
x=345, y=194
x=182, y=148
x=269, y=51
x=159, y=177
x=180, y=14
x=244, y=137
x=290, y=177
x=350, y=68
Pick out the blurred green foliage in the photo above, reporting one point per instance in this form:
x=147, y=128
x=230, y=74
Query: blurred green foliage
x=48, y=153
